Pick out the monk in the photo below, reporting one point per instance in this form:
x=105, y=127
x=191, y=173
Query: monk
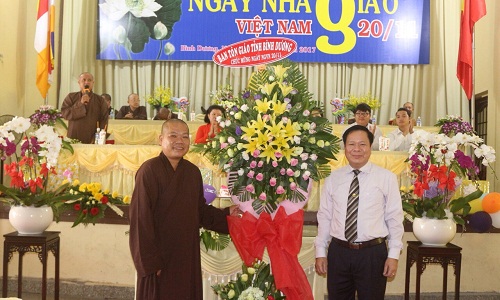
x=166, y=212
x=85, y=111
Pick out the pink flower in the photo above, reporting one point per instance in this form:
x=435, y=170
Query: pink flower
x=272, y=181
x=223, y=145
x=293, y=186
x=304, y=156
x=263, y=196
x=253, y=164
x=260, y=164
x=256, y=153
x=282, y=171
x=274, y=163
x=259, y=177
x=250, y=174
x=280, y=190
x=250, y=188
x=278, y=154
x=305, y=176
x=294, y=162
x=290, y=172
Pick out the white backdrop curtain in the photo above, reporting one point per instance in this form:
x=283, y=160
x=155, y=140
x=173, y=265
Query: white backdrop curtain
x=433, y=88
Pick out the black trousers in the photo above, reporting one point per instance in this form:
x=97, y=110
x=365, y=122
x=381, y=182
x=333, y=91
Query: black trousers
x=352, y=271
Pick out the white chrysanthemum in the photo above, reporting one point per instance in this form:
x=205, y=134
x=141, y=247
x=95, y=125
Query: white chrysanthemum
x=231, y=140
x=244, y=108
x=116, y=9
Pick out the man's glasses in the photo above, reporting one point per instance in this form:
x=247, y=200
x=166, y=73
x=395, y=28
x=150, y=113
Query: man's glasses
x=362, y=114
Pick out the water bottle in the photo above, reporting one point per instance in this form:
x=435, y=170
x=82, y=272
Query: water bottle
x=192, y=116
x=96, y=137
x=374, y=120
x=419, y=122
x=112, y=113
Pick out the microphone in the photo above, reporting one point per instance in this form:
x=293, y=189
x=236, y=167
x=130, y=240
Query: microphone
x=86, y=89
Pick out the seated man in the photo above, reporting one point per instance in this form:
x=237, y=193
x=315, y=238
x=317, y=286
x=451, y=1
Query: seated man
x=400, y=138
x=409, y=107
x=165, y=114
x=133, y=110
x=362, y=114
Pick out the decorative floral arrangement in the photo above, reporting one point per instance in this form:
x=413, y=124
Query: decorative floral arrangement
x=47, y=115
x=255, y=283
x=162, y=97
x=438, y=166
x=182, y=103
x=338, y=107
x=33, y=152
x=270, y=145
x=92, y=202
x=451, y=125
x=223, y=97
x=352, y=101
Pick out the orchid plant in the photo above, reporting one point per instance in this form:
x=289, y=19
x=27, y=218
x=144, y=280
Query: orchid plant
x=438, y=166
x=32, y=151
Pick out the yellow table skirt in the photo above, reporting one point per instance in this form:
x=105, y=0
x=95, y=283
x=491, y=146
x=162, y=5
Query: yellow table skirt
x=115, y=166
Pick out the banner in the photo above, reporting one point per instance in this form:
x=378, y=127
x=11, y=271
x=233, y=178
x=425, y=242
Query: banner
x=472, y=11
x=44, y=45
x=361, y=31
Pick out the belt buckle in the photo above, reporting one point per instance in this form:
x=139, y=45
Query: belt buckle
x=355, y=245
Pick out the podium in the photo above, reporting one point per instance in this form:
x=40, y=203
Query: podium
x=37, y=243
x=423, y=255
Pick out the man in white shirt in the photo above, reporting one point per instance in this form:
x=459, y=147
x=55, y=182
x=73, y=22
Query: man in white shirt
x=362, y=114
x=400, y=138
x=363, y=264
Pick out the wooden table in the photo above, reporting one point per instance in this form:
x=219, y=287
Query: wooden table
x=38, y=243
x=443, y=255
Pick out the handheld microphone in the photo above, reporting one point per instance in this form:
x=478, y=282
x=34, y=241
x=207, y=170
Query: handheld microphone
x=86, y=89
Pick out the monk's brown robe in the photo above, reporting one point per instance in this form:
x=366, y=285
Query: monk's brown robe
x=166, y=212
x=83, y=119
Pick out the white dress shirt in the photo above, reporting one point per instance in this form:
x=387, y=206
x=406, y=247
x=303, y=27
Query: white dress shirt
x=380, y=212
x=399, y=142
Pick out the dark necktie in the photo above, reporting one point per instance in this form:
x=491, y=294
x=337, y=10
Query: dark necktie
x=351, y=232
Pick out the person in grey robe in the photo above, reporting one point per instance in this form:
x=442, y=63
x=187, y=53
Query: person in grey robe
x=166, y=212
x=85, y=111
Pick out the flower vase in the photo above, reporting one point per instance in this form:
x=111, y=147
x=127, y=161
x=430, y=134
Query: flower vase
x=341, y=119
x=434, y=232
x=30, y=219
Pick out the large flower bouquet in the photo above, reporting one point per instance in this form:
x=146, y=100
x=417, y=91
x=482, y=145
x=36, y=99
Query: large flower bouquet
x=270, y=145
x=451, y=125
x=92, y=202
x=31, y=151
x=161, y=97
x=255, y=283
x=438, y=166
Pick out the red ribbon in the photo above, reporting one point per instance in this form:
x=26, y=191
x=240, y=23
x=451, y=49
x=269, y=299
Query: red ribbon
x=283, y=239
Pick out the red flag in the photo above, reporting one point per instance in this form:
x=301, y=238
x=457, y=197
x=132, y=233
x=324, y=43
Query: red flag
x=472, y=11
x=44, y=45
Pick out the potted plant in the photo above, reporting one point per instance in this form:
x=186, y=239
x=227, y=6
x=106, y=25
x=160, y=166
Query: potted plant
x=31, y=147
x=438, y=165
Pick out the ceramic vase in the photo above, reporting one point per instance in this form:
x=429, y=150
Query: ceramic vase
x=434, y=232
x=30, y=219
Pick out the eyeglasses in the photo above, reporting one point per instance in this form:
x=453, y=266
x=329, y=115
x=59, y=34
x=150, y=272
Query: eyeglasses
x=362, y=114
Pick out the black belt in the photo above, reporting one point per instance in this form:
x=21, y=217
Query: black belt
x=359, y=245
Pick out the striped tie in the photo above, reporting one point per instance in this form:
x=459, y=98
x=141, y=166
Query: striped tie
x=352, y=209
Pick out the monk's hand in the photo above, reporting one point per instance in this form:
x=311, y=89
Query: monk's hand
x=235, y=211
x=85, y=99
